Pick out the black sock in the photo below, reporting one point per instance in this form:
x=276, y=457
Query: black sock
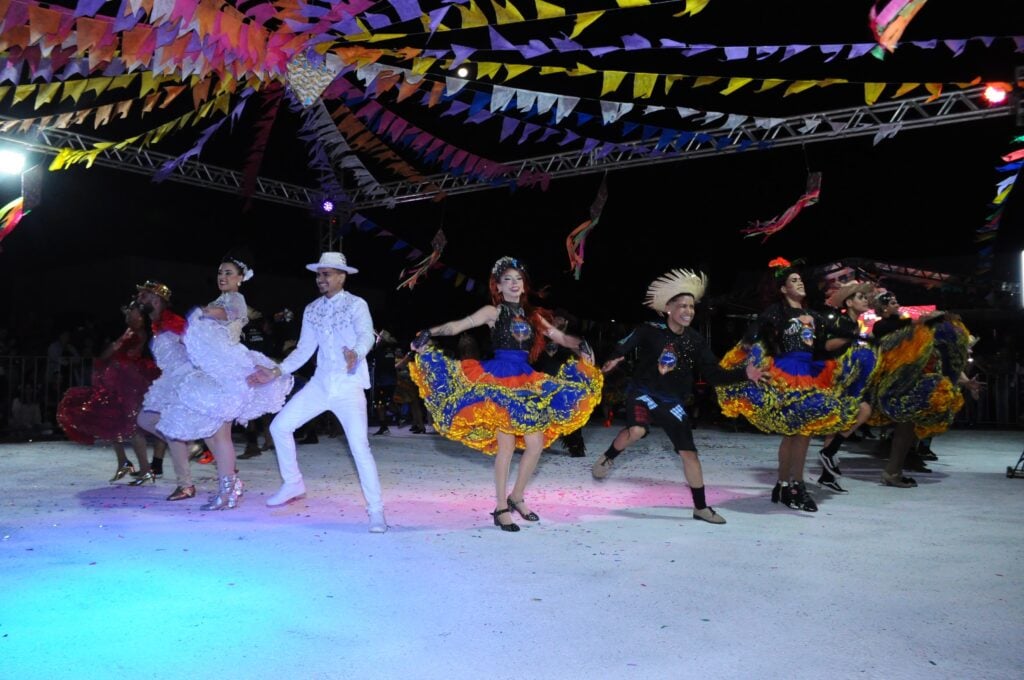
x=699, y=503
x=834, y=445
x=612, y=452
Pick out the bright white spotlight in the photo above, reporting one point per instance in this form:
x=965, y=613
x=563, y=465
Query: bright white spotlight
x=462, y=72
x=11, y=162
x=995, y=94
x=327, y=206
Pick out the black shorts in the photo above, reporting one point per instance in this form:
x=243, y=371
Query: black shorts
x=643, y=410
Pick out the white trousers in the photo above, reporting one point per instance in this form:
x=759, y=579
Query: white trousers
x=349, y=405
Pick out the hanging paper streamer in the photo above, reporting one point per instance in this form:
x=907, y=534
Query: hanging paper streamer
x=889, y=24
x=1008, y=175
x=421, y=268
x=31, y=195
x=773, y=225
x=576, y=240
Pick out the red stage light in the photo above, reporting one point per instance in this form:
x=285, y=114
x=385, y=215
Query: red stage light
x=996, y=93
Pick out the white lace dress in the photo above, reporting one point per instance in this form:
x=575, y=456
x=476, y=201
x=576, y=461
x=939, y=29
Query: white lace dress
x=215, y=391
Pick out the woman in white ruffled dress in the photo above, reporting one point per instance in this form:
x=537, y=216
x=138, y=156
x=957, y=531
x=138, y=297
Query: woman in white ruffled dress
x=213, y=394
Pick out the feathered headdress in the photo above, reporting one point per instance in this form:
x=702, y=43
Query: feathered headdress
x=673, y=283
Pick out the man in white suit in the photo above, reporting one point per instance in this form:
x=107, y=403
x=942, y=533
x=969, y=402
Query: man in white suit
x=339, y=328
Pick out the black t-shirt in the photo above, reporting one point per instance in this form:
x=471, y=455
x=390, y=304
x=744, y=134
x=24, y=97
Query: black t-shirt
x=887, y=325
x=845, y=328
x=384, y=372
x=666, y=361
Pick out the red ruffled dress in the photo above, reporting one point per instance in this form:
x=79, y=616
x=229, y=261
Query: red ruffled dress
x=106, y=411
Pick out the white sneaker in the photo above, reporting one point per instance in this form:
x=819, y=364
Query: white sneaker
x=286, y=493
x=377, y=523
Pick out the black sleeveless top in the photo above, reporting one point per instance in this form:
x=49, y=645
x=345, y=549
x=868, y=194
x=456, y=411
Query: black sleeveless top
x=511, y=329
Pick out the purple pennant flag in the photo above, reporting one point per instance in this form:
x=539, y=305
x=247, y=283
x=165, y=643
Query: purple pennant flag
x=43, y=71
x=386, y=119
x=1018, y=40
x=87, y=8
x=693, y=50
x=456, y=108
x=733, y=53
x=167, y=32
x=925, y=44
x=397, y=128
x=407, y=9
x=566, y=45
x=470, y=283
x=570, y=136
x=377, y=20
x=480, y=116
x=604, y=150
x=535, y=48
x=831, y=51
x=792, y=50
x=668, y=43
x=436, y=17
x=462, y=53
x=957, y=46
x=548, y=131
x=114, y=68
x=347, y=26
x=635, y=41
x=528, y=129
x=859, y=50
x=422, y=139
x=601, y=51
x=508, y=126
x=765, y=51
x=497, y=41
x=589, y=143
x=436, y=54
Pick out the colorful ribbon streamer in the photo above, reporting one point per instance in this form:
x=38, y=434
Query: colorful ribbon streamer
x=810, y=197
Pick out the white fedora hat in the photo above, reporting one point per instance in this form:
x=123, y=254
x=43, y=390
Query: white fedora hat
x=332, y=260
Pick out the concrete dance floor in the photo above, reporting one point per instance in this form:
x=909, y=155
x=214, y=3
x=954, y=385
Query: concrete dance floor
x=615, y=581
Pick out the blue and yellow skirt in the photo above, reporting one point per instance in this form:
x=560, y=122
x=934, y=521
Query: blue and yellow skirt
x=472, y=401
x=916, y=380
x=801, y=396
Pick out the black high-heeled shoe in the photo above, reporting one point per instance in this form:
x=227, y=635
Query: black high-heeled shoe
x=529, y=517
x=504, y=527
x=123, y=470
x=148, y=477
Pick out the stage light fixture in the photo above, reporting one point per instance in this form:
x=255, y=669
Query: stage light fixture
x=462, y=72
x=996, y=93
x=327, y=206
x=11, y=162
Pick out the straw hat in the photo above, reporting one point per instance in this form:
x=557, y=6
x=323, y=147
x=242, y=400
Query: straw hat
x=332, y=260
x=840, y=295
x=673, y=283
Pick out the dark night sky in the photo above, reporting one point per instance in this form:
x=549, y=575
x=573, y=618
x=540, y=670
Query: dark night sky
x=916, y=198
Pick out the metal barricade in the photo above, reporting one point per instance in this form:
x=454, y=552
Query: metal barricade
x=30, y=389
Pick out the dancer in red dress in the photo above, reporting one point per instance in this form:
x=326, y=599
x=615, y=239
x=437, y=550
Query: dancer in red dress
x=106, y=411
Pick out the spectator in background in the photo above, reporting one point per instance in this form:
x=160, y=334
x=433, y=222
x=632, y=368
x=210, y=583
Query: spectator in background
x=385, y=377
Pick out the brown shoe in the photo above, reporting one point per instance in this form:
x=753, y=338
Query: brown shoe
x=898, y=481
x=183, y=492
x=709, y=515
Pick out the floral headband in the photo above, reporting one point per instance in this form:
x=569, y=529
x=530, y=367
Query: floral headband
x=506, y=263
x=247, y=272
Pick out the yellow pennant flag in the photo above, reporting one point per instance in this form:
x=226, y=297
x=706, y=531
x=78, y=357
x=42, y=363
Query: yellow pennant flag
x=22, y=92
x=149, y=83
x=769, y=83
x=545, y=10
x=735, y=84
x=692, y=7
x=611, y=81
x=122, y=81
x=705, y=80
x=582, y=70
x=1001, y=196
x=46, y=94
x=905, y=88
x=584, y=19
x=507, y=14
x=97, y=85
x=471, y=16
x=551, y=70
x=3, y=91
x=935, y=89
x=63, y=120
x=671, y=79
x=422, y=64
x=459, y=278
x=515, y=70
x=872, y=91
x=487, y=69
x=643, y=85
x=632, y=3
x=799, y=86
x=125, y=143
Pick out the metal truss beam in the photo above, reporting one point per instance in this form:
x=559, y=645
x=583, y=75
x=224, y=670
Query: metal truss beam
x=889, y=118
x=146, y=162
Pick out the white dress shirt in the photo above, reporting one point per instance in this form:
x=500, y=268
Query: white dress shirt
x=331, y=325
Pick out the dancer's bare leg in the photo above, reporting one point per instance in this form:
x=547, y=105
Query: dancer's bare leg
x=502, y=461
x=141, y=450
x=223, y=449
x=527, y=466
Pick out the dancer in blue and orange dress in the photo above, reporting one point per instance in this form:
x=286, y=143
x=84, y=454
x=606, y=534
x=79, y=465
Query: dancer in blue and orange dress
x=802, y=396
x=497, y=405
x=917, y=385
x=106, y=411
